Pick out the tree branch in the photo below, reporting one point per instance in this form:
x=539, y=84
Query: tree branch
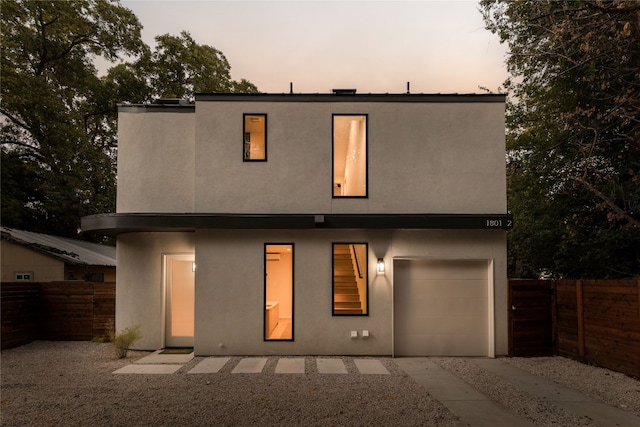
x=612, y=205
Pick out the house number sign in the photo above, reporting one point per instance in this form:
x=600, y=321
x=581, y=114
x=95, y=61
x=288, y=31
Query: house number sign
x=499, y=223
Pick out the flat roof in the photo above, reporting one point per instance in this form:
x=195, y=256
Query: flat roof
x=351, y=97
x=183, y=106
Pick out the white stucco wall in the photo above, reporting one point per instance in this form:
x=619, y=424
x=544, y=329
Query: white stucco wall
x=422, y=158
x=155, y=161
x=230, y=288
x=140, y=292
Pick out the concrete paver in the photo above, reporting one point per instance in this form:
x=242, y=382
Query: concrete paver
x=469, y=404
x=210, y=365
x=371, y=366
x=290, y=365
x=250, y=365
x=331, y=366
x=568, y=399
x=158, y=358
x=149, y=369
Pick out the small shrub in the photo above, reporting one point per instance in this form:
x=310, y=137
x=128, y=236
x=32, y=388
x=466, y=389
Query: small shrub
x=123, y=341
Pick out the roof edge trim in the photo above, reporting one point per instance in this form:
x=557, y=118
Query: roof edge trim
x=118, y=223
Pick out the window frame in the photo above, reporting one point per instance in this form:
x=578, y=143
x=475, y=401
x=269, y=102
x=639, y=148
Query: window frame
x=366, y=279
x=18, y=276
x=333, y=143
x=244, y=136
x=264, y=293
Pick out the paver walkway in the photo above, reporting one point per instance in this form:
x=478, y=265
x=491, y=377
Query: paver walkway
x=479, y=410
x=157, y=363
x=468, y=403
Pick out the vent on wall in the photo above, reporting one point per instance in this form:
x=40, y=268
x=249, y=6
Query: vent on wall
x=273, y=256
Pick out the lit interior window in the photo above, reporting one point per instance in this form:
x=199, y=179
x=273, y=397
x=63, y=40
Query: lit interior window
x=350, y=296
x=278, y=314
x=350, y=156
x=255, y=137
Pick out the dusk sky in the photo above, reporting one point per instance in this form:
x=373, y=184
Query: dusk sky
x=372, y=46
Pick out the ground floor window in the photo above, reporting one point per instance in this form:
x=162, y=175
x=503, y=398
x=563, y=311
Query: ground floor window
x=350, y=290
x=278, y=291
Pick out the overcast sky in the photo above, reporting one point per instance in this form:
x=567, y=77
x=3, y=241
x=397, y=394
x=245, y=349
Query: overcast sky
x=372, y=46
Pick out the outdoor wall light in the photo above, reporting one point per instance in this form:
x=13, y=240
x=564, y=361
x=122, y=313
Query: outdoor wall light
x=380, y=266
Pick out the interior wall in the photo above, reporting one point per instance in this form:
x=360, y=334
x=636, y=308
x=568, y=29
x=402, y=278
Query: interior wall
x=279, y=284
x=182, y=298
x=356, y=159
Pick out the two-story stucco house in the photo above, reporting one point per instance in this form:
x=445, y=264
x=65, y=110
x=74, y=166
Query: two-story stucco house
x=313, y=224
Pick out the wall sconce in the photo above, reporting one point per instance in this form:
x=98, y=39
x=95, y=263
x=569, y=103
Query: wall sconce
x=193, y=267
x=380, y=266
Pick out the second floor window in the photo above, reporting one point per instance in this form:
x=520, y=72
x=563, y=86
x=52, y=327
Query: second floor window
x=350, y=155
x=254, y=137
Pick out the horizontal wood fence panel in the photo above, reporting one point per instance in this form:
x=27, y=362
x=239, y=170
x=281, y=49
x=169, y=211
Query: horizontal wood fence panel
x=530, y=318
x=57, y=311
x=20, y=308
x=596, y=321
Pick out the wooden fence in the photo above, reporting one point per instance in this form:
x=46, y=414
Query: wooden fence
x=20, y=313
x=57, y=311
x=531, y=318
x=595, y=321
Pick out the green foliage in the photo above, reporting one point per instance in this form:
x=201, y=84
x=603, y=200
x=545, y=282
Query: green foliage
x=179, y=67
x=123, y=341
x=50, y=90
x=59, y=118
x=573, y=135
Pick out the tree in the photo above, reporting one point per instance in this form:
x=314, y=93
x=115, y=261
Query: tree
x=59, y=118
x=573, y=134
x=57, y=162
x=179, y=67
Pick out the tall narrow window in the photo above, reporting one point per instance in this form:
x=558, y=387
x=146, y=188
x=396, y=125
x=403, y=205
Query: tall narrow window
x=350, y=155
x=278, y=292
x=350, y=290
x=254, y=137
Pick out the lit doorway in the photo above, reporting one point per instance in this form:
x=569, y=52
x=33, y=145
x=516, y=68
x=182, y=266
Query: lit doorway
x=180, y=300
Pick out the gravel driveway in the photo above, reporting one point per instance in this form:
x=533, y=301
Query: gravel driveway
x=72, y=383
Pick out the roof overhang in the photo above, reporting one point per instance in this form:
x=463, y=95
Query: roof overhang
x=118, y=223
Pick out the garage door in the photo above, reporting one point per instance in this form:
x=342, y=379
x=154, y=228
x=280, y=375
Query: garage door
x=441, y=308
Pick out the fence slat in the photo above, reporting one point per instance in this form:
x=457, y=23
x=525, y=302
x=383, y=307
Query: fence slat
x=55, y=311
x=596, y=321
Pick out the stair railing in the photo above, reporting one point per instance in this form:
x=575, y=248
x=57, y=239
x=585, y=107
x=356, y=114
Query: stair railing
x=355, y=254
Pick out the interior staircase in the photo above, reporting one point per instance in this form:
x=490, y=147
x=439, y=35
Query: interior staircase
x=346, y=299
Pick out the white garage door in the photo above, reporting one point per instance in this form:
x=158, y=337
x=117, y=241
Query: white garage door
x=441, y=308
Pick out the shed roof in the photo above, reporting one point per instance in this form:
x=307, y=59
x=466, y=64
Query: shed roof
x=73, y=251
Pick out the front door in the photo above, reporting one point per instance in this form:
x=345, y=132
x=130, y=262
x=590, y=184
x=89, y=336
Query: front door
x=180, y=289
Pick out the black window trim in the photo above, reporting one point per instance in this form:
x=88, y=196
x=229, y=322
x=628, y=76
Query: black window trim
x=293, y=287
x=244, y=124
x=365, y=269
x=366, y=115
